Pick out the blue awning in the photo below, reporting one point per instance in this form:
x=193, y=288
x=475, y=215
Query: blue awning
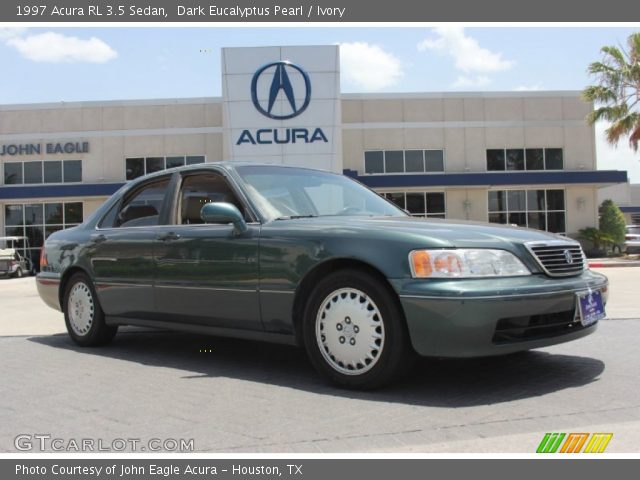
x=57, y=191
x=491, y=178
x=630, y=209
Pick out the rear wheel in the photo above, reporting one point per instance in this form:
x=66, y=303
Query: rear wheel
x=354, y=331
x=83, y=315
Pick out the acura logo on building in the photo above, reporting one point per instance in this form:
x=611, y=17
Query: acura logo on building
x=281, y=82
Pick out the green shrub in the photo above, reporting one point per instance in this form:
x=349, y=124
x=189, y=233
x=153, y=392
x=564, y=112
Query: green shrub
x=598, y=238
x=612, y=221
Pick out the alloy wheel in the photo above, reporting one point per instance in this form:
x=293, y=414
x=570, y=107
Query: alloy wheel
x=350, y=331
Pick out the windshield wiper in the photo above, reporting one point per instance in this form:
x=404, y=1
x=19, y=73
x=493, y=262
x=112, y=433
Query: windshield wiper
x=293, y=217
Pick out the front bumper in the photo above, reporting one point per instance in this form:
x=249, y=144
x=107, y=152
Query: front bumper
x=481, y=317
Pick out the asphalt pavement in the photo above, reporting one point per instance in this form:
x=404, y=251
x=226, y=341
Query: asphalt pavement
x=246, y=397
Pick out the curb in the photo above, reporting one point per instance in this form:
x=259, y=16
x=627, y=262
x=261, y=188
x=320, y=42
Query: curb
x=611, y=264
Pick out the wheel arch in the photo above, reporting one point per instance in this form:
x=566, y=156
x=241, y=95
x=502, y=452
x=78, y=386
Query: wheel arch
x=70, y=272
x=312, y=277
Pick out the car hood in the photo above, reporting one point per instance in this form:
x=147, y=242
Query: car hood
x=444, y=233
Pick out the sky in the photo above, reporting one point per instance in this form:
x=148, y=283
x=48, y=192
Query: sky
x=111, y=63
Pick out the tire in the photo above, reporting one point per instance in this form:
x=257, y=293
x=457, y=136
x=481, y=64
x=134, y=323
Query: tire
x=346, y=348
x=18, y=273
x=83, y=315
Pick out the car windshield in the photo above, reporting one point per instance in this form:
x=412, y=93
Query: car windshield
x=284, y=193
x=635, y=230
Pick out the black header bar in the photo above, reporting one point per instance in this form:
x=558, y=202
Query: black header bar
x=304, y=11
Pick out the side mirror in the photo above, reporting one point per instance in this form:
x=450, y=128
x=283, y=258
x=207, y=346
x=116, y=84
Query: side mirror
x=222, y=212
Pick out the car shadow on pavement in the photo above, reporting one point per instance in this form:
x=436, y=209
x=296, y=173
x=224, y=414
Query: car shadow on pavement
x=430, y=382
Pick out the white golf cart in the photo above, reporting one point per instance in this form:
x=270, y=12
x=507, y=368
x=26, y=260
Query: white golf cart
x=15, y=260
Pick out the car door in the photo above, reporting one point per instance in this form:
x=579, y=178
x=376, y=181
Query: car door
x=207, y=274
x=121, y=250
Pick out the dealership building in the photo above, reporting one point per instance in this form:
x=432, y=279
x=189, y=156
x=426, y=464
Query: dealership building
x=524, y=158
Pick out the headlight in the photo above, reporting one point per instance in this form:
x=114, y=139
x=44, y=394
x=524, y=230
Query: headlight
x=465, y=263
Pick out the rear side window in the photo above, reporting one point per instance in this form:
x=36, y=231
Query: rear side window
x=141, y=208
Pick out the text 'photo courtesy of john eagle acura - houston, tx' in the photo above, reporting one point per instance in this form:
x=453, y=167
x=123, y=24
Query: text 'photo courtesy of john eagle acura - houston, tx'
x=316, y=259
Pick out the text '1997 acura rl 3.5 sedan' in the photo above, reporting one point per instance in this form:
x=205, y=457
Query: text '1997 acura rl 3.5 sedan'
x=315, y=259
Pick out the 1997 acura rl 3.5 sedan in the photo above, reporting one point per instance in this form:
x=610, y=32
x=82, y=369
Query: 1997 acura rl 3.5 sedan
x=315, y=259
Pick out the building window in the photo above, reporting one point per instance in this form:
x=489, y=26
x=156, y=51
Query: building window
x=419, y=204
x=509, y=159
x=32, y=172
x=42, y=171
x=515, y=159
x=434, y=160
x=52, y=172
x=172, y=162
x=72, y=171
x=37, y=221
x=539, y=209
x=374, y=162
x=403, y=161
x=138, y=166
x=394, y=161
x=553, y=159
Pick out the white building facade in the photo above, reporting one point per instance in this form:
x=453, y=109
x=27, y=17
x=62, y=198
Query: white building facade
x=524, y=158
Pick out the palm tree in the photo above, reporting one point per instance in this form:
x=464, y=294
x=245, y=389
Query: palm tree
x=617, y=92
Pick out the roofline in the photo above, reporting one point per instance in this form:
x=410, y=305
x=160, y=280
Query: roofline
x=112, y=103
x=488, y=94
x=343, y=96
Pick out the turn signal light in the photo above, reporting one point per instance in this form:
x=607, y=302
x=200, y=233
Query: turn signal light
x=421, y=262
x=43, y=259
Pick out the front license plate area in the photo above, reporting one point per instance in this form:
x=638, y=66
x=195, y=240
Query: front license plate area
x=590, y=308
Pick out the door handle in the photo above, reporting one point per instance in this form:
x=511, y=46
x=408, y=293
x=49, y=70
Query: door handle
x=168, y=236
x=98, y=238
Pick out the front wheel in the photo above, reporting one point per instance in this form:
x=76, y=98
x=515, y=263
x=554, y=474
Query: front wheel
x=354, y=331
x=18, y=273
x=83, y=315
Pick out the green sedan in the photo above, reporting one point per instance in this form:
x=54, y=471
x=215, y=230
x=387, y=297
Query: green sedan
x=314, y=259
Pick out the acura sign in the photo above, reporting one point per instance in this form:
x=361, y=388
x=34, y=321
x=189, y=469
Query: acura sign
x=281, y=83
x=295, y=102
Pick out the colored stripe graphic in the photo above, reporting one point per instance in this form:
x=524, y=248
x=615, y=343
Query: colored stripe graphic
x=598, y=442
x=550, y=442
x=574, y=443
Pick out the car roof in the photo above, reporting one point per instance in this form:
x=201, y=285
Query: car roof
x=225, y=165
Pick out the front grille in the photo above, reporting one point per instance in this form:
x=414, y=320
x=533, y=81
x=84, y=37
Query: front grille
x=559, y=259
x=534, y=327
x=4, y=265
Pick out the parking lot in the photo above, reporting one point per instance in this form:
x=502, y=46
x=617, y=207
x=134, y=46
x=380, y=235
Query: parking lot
x=240, y=396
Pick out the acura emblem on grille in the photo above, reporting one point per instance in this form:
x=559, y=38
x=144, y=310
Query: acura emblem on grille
x=558, y=259
x=568, y=256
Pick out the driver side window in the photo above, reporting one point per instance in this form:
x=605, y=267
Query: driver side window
x=198, y=190
x=142, y=208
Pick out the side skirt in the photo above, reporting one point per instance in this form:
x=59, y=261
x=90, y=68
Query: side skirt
x=286, y=339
